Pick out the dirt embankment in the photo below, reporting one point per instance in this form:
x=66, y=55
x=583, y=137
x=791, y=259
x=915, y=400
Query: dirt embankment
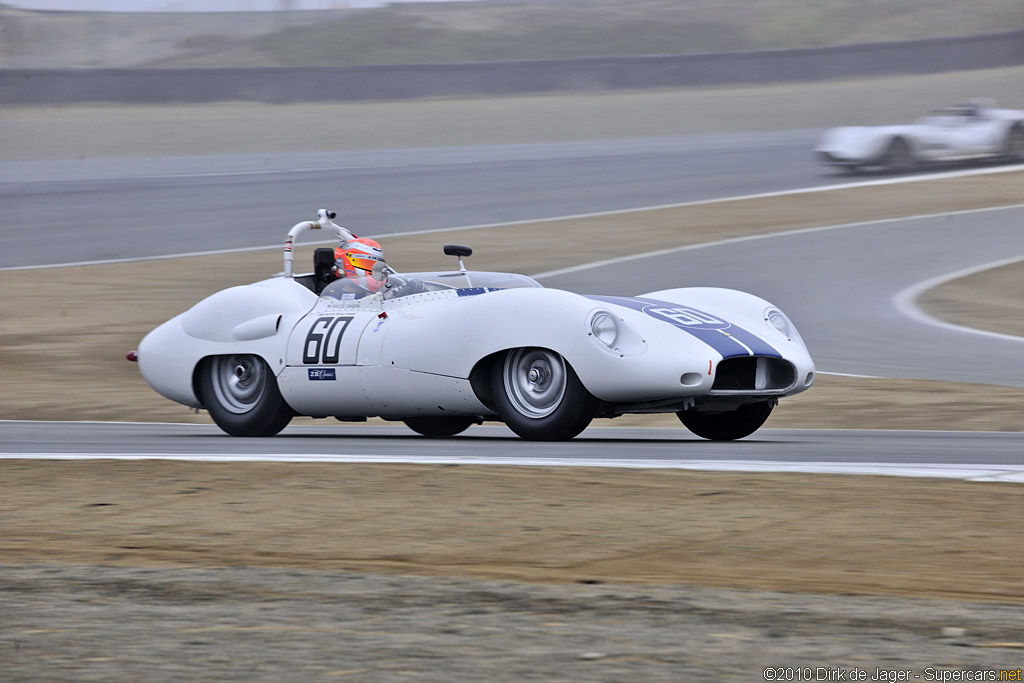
x=117, y=130
x=885, y=535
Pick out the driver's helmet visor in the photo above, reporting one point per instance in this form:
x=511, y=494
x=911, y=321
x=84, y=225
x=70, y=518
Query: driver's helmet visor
x=357, y=258
x=363, y=262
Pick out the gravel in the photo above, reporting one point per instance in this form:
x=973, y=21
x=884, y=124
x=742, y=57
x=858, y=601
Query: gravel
x=92, y=623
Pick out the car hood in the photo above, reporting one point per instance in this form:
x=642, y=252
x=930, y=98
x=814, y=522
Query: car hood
x=728, y=334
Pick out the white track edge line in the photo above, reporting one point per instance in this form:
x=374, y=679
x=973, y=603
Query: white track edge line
x=973, y=472
x=906, y=301
x=784, y=233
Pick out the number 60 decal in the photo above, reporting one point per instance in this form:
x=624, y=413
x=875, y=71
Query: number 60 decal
x=325, y=338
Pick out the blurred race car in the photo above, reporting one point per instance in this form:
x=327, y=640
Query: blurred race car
x=444, y=350
x=974, y=130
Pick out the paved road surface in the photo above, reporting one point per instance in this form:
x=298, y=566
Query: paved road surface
x=981, y=455
x=124, y=208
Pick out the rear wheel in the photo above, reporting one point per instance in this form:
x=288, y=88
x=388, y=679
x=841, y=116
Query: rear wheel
x=241, y=393
x=727, y=426
x=438, y=427
x=539, y=396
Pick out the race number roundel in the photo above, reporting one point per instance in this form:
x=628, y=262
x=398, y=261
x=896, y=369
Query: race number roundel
x=687, y=318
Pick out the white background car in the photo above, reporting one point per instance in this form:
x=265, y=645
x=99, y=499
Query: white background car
x=444, y=350
x=975, y=130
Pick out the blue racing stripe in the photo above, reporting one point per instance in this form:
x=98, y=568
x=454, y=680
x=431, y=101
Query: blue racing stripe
x=723, y=336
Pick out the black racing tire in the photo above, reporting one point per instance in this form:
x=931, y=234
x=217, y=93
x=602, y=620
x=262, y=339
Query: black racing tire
x=539, y=396
x=1015, y=144
x=899, y=158
x=242, y=395
x=727, y=426
x=438, y=427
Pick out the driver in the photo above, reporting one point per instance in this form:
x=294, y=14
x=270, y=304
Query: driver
x=353, y=264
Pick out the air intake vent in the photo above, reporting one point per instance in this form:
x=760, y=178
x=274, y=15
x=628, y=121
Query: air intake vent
x=754, y=373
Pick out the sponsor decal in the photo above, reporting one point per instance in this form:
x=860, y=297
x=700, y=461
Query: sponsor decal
x=474, y=291
x=321, y=374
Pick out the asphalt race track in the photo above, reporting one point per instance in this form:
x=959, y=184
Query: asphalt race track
x=853, y=324
x=981, y=456
x=149, y=207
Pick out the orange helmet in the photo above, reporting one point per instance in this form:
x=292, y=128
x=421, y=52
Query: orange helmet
x=356, y=257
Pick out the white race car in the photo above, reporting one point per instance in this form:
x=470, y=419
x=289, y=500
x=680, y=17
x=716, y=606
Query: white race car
x=975, y=130
x=444, y=350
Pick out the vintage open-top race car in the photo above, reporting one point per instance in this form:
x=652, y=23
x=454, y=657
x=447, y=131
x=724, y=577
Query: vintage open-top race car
x=444, y=350
x=972, y=130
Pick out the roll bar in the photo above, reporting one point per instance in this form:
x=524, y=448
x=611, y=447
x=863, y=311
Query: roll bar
x=324, y=222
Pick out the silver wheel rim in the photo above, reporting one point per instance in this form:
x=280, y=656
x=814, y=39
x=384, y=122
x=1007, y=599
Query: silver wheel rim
x=238, y=382
x=1016, y=144
x=899, y=155
x=534, y=381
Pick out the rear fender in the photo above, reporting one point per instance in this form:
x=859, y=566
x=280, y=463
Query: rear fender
x=252, y=319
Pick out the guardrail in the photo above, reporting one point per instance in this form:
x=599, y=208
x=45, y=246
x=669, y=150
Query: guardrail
x=312, y=84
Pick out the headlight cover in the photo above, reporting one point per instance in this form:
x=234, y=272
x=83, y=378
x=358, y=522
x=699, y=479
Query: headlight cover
x=604, y=327
x=776, y=319
x=779, y=322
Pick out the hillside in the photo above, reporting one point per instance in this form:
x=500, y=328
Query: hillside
x=491, y=30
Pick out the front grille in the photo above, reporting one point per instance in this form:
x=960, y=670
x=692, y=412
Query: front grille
x=754, y=373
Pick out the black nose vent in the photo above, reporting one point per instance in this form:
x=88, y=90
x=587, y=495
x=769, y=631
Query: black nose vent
x=754, y=373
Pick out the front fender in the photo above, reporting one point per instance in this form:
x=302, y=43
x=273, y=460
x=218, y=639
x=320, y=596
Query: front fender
x=450, y=337
x=650, y=361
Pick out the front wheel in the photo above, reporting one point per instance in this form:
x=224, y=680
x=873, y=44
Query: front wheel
x=899, y=158
x=1015, y=144
x=438, y=427
x=539, y=396
x=241, y=393
x=727, y=426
